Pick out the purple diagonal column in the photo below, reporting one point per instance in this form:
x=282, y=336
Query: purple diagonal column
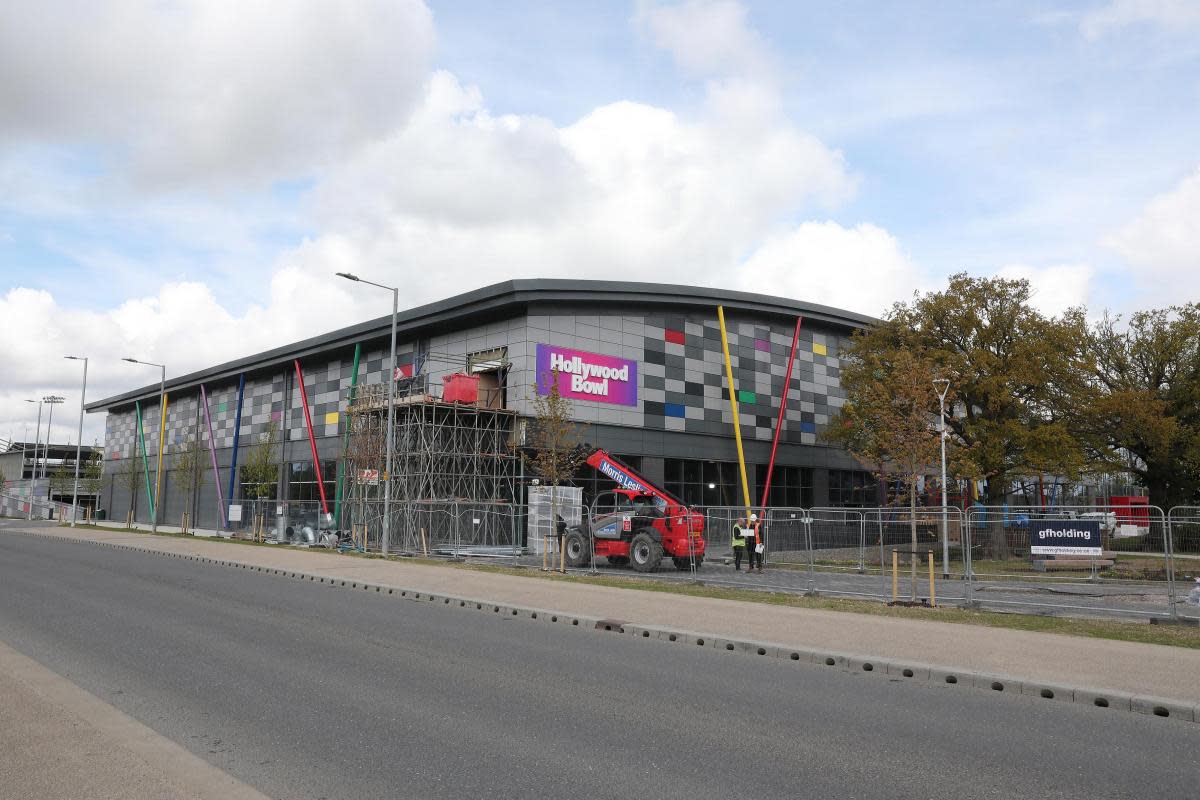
x=212, y=451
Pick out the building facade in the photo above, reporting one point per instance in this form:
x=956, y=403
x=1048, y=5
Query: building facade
x=642, y=364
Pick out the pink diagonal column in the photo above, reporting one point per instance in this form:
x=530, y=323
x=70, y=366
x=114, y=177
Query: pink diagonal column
x=212, y=451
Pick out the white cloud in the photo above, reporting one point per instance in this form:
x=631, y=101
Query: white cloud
x=437, y=196
x=1163, y=242
x=861, y=269
x=705, y=37
x=629, y=191
x=1176, y=16
x=1056, y=287
x=182, y=326
x=209, y=91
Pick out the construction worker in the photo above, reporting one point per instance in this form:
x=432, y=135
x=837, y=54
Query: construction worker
x=752, y=536
x=738, y=543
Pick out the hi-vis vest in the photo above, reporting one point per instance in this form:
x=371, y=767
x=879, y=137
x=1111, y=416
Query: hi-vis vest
x=738, y=533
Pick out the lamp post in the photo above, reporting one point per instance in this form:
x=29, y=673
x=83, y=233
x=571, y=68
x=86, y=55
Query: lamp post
x=162, y=434
x=942, y=385
x=37, y=441
x=79, y=443
x=387, y=483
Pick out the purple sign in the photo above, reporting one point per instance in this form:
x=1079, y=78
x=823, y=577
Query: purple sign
x=587, y=376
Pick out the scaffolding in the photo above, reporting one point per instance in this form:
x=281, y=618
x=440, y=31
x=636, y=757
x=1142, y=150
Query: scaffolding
x=454, y=481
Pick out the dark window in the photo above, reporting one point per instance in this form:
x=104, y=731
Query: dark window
x=302, y=482
x=703, y=483
x=791, y=487
x=853, y=489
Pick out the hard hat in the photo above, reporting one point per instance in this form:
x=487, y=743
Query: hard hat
x=754, y=517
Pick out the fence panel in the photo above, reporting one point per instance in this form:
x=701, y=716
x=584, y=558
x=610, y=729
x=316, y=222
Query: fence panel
x=1012, y=560
x=1183, y=523
x=785, y=531
x=900, y=539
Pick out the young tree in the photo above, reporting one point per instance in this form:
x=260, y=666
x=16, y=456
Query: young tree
x=127, y=478
x=554, y=445
x=889, y=421
x=189, y=468
x=260, y=472
x=365, y=453
x=92, y=474
x=1141, y=412
x=62, y=478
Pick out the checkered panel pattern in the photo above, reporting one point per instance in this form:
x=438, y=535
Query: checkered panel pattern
x=262, y=404
x=120, y=435
x=681, y=372
x=182, y=420
x=372, y=368
x=681, y=377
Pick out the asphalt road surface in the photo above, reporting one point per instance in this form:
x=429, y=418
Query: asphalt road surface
x=303, y=690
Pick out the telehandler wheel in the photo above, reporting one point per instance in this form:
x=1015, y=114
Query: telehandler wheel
x=618, y=561
x=684, y=563
x=576, y=549
x=645, y=554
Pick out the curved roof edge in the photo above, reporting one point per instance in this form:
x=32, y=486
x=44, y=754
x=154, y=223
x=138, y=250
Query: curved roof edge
x=500, y=300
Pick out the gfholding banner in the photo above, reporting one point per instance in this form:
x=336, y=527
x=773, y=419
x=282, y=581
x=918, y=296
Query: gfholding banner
x=587, y=376
x=1065, y=537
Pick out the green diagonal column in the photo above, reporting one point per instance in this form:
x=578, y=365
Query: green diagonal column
x=145, y=461
x=341, y=471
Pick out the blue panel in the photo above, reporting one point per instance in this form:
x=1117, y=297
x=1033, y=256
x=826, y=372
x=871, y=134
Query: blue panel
x=808, y=427
x=673, y=410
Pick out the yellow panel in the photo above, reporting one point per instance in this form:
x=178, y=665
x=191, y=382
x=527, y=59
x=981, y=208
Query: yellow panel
x=331, y=418
x=820, y=349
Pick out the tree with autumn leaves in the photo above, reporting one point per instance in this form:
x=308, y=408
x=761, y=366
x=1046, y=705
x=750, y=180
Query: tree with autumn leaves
x=1036, y=394
x=1141, y=412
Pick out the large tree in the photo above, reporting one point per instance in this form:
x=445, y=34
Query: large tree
x=1141, y=413
x=1013, y=371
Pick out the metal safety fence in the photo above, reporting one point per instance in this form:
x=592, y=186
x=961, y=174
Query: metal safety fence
x=1145, y=562
x=1110, y=560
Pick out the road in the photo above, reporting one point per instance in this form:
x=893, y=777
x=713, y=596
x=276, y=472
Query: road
x=303, y=690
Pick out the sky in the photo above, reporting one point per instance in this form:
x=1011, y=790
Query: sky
x=181, y=179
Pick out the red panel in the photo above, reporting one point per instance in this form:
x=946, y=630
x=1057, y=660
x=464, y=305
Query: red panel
x=675, y=337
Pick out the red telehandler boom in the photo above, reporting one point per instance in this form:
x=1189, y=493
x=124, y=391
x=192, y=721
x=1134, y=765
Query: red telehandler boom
x=636, y=524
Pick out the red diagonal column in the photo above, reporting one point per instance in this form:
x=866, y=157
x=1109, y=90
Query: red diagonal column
x=312, y=439
x=782, y=408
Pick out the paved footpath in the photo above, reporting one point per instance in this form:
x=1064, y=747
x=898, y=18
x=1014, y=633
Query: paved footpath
x=1128, y=667
x=56, y=740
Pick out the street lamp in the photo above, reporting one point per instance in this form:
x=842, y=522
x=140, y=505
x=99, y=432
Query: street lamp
x=162, y=392
x=942, y=385
x=79, y=443
x=387, y=484
x=37, y=442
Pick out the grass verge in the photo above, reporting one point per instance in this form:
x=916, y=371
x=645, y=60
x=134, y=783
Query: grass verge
x=1116, y=630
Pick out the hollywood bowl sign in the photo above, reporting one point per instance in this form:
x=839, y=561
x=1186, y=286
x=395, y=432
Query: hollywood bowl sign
x=587, y=376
